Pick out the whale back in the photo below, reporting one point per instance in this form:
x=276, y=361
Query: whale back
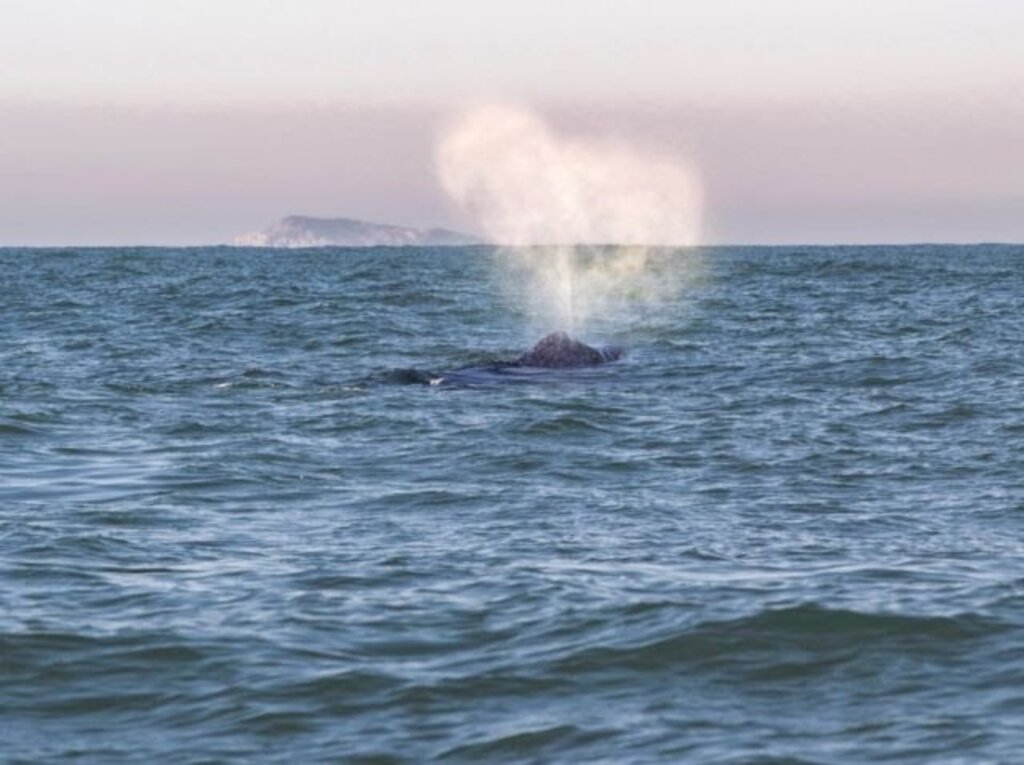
x=558, y=350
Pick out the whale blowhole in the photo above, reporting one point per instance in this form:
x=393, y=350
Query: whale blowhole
x=559, y=350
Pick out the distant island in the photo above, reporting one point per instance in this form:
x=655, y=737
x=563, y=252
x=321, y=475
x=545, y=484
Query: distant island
x=304, y=231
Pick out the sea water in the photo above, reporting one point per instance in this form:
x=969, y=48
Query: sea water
x=235, y=526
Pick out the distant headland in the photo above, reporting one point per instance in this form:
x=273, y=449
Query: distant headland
x=304, y=231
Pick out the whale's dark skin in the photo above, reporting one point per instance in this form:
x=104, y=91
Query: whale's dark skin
x=553, y=352
x=559, y=351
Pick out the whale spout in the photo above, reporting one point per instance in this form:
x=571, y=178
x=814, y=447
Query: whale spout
x=558, y=351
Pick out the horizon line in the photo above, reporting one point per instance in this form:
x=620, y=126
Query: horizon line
x=717, y=245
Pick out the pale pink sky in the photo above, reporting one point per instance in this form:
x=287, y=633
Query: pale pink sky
x=180, y=121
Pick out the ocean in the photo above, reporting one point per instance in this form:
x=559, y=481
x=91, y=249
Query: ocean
x=238, y=523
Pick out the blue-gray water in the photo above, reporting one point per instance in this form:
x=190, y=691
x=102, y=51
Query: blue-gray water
x=787, y=527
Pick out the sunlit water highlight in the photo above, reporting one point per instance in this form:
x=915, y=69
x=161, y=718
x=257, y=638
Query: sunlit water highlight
x=786, y=527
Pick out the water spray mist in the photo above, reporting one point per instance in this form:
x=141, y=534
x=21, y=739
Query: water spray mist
x=577, y=218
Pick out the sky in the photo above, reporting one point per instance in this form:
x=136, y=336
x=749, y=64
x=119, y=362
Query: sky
x=189, y=122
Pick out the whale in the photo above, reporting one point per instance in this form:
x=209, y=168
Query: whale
x=555, y=351
x=560, y=351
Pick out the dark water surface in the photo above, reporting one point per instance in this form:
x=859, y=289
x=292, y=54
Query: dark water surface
x=787, y=527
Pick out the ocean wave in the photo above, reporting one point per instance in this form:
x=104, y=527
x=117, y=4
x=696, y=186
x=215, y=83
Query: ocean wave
x=809, y=631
